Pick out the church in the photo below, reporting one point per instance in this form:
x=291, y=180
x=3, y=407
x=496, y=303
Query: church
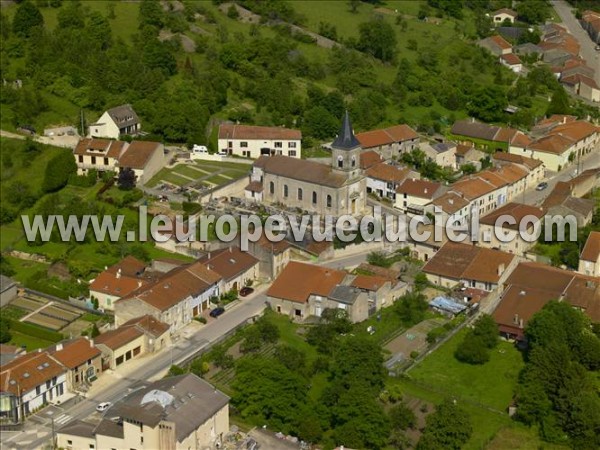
x=335, y=189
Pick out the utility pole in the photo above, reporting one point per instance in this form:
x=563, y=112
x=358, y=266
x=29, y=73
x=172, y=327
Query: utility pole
x=53, y=435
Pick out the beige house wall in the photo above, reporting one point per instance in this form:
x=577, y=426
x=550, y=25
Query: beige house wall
x=105, y=301
x=70, y=442
x=517, y=246
x=590, y=268
x=106, y=128
x=552, y=161
x=252, y=149
x=348, y=199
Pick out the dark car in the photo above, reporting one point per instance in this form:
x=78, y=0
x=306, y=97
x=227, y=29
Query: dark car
x=217, y=312
x=246, y=291
x=541, y=186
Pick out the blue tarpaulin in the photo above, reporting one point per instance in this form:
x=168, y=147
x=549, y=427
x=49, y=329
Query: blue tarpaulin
x=447, y=304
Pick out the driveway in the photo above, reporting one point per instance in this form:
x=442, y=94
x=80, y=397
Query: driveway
x=587, y=52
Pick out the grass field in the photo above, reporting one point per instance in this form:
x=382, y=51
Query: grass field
x=31, y=343
x=491, y=384
x=212, y=172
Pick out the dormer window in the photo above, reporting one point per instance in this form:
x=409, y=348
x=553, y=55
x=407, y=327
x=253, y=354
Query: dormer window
x=340, y=162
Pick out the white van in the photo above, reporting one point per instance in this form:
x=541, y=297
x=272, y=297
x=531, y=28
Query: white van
x=199, y=149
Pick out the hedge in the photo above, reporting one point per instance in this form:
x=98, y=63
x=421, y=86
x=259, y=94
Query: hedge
x=36, y=331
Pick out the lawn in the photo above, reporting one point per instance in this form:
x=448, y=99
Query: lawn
x=30, y=342
x=491, y=384
x=486, y=424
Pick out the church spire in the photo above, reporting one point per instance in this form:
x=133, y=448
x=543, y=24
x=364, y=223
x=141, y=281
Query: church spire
x=346, y=139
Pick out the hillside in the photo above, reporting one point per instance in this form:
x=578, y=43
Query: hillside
x=185, y=64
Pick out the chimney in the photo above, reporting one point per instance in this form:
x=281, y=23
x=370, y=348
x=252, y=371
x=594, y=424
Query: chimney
x=425, y=191
x=501, y=268
x=230, y=250
x=208, y=255
x=516, y=319
x=91, y=343
x=521, y=323
x=119, y=273
x=139, y=283
x=59, y=347
x=451, y=201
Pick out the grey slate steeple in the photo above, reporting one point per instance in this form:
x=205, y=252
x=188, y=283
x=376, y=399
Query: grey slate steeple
x=346, y=139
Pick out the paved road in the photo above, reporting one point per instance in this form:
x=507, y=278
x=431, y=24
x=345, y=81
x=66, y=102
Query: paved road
x=587, y=52
x=154, y=367
x=533, y=197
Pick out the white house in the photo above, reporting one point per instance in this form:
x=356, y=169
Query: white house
x=383, y=179
x=589, y=261
x=504, y=14
x=512, y=61
x=413, y=194
x=116, y=122
x=253, y=141
x=29, y=383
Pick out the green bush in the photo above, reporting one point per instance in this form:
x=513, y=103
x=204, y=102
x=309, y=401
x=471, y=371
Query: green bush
x=36, y=331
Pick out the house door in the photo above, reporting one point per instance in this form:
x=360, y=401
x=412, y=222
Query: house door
x=318, y=310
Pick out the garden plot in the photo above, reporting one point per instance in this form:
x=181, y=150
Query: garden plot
x=45, y=321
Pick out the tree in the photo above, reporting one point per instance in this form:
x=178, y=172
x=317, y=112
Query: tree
x=421, y=281
x=58, y=171
x=486, y=329
x=402, y=417
x=449, y=427
x=267, y=392
x=320, y=123
x=27, y=17
x=5, y=335
x=151, y=13
x=472, y=350
x=95, y=331
x=353, y=5
x=411, y=308
x=378, y=39
x=559, y=103
x=488, y=104
x=268, y=331
x=533, y=11
x=126, y=179
x=292, y=358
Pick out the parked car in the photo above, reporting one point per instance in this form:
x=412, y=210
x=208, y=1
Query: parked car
x=103, y=406
x=246, y=291
x=199, y=149
x=540, y=187
x=217, y=312
x=597, y=48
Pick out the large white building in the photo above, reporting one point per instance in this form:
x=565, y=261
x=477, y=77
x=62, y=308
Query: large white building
x=30, y=382
x=116, y=122
x=253, y=142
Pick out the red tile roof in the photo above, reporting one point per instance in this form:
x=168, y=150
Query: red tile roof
x=387, y=172
x=75, y=353
x=298, y=281
x=369, y=158
x=252, y=132
x=100, y=147
x=229, y=262
x=139, y=153
x=591, y=249
x=500, y=42
x=386, y=136
x=511, y=59
x=419, y=188
x=24, y=373
x=369, y=282
x=516, y=210
x=465, y=261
